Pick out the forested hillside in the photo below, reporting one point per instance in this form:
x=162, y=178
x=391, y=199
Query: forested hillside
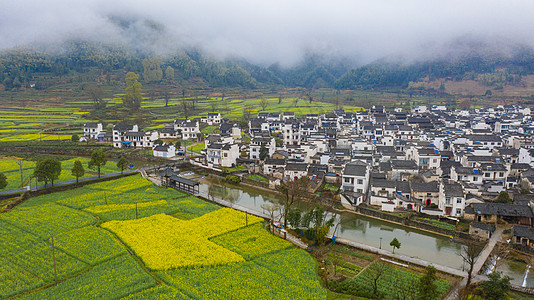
x=25, y=67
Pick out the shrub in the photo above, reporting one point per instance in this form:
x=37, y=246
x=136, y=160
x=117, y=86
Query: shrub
x=232, y=179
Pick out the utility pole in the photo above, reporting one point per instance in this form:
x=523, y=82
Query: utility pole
x=19, y=162
x=54, y=257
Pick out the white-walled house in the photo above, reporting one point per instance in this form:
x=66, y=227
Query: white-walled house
x=222, y=155
x=425, y=158
x=119, y=132
x=212, y=119
x=355, y=177
x=92, y=130
x=257, y=142
x=452, y=199
x=165, y=151
x=189, y=130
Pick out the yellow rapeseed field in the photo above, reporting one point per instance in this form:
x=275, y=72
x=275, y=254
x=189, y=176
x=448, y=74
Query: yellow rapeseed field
x=164, y=242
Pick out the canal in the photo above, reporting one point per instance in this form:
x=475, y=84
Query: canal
x=415, y=243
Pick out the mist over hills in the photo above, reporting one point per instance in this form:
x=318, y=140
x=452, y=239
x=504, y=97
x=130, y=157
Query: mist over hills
x=463, y=59
x=334, y=50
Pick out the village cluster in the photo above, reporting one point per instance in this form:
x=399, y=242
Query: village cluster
x=430, y=159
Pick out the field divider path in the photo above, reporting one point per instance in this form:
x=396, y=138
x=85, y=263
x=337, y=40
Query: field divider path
x=413, y=260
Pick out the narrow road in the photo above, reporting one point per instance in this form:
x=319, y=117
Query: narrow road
x=481, y=259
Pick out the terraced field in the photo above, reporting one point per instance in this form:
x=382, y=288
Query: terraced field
x=130, y=239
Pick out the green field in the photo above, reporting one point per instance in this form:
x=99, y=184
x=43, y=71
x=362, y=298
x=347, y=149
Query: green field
x=10, y=168
x=104, y=233
x=394, y=282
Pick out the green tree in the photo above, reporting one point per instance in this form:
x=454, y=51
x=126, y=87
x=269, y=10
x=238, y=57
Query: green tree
x=132, y=96
x=122, y=164
x=294, y=218
x=264, y=152
x=77, y=170
x=98, y=159
x=503, y=197
x=395, y=244
x=496, y=287
x=318, y=217
x=47, y=170
x=169, y=73
x=75, y=138
x=3, y=181
x=152, y=69
x=428, y=289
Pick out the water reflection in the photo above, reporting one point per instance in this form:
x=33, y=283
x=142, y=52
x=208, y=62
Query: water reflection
x=431, y=247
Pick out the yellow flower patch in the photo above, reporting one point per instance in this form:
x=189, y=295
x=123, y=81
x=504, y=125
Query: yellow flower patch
x=164, y=242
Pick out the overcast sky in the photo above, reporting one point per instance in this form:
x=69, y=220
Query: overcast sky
x=270, y=31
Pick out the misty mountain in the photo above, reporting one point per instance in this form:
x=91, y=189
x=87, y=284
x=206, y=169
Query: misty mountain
x=20, y=66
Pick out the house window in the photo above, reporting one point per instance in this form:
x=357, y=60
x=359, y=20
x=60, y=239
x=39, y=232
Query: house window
x=459, y=200
x=360, y=181
x=447, y=200
x=501, y=174
x=486, y=174
x=475, y=178
x=459, y=177
x=359, y=190
x=347, y=180
x=225, y=155
x=458, y=211
x=429, y=194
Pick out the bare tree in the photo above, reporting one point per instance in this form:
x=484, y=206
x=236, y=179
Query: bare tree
x=292, y=191
x=263, y=104
x=375, y=272
x=271, y=209
x=470, y=254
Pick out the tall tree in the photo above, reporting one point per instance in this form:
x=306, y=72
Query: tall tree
x=132, y=96
x=292, y=191
x=3, y=181
x=263, y=104
x=122, y=164
x=96, y=94
x=77, y=170
x=428, y=289
x=152, y=69
x=469, y=254
x=98, y=159
x=47, y=170
x=264, y=152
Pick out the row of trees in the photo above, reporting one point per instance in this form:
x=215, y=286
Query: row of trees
x=48, y=170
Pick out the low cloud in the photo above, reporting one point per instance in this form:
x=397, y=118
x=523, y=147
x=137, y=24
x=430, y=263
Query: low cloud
x=267, y=32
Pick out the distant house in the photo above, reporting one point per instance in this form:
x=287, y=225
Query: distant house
x=355, y=177
x=523, y=235
x=427, y=192
x=452, y=199
x=491, y=212
x=92, y=130
x=273, y=165
x=481, y=229
x=296, y=170
x=165, y=151
x=402, y=169
x=222, y=155
x=189, y=130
